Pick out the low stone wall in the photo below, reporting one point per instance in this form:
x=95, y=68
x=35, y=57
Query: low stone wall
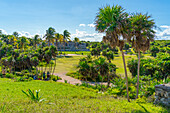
x=162, y=94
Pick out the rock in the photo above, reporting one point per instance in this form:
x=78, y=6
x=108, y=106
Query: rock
x=162, y=94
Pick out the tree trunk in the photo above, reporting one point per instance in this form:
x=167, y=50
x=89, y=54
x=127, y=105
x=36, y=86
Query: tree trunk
x=108, y=80
x=48, y=42
x=138, y=74
x=45, y=67
x=125, y=76
x=64, y=47
x=56, y=42
x=54, y=66
x=102, y=84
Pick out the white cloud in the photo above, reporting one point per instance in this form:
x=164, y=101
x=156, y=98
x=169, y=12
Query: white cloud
x=91, y=25
x=26, y=34
x=82, y=25
x=83, y=35
x=4, y=32
x=164, y=34
x=164, y=26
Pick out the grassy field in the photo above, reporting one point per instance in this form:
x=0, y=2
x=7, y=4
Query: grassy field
x=62, y=97
x=77, y=52
x=68, y=64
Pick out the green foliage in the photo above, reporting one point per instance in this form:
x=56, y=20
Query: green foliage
x=154, y=51
x=9, y=75
x=65, y=98
x=158, y=68
x=54, y=78
x=35, y=97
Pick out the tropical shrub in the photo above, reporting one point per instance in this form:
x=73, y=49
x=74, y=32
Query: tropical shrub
x=158, y=68
x=33, y=96
x=9, y=75
x=54, y=78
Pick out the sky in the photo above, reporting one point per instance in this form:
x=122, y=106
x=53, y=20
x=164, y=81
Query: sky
x=30, y=17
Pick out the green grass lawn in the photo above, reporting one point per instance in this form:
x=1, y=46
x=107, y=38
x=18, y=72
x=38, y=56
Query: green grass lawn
x=62, y=97
x=68, y=64
x=77, y=52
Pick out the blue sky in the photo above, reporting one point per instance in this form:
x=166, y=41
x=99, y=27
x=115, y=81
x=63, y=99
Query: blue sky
x=30, y=17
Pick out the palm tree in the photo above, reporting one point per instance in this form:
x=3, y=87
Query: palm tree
x=66, y=36
x=84, y=68
x=57, y=36
x=76, y=40
x=15, y=34
x=142, y=34
x=12, y=39
x=60, y=40
x=102, y=66
x=35, y=39
x=50, y=35
x=23, y=42
x=114, y=22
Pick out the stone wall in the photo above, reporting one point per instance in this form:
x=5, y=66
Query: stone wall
x=162, y=94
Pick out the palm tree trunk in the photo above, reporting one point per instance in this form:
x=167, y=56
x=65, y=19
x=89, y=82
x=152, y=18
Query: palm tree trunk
x=64, y=47
x=108, y=80
x=138, y=74
x=102, y=84
x=45, y=67
x=125, y=76
x=54, y=66
x=60, y=47
x=48, y=43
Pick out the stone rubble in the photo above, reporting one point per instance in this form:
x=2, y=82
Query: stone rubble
x=162, y=94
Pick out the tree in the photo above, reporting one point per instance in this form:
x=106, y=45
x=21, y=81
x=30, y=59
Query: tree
x=36, y=41
x=15, y=34
x=76, y=40
x=66, y=36
x=154, y=51
x=84, y=68
x=142, y=34
x=12, y=39
x=114, y=22
x=102, y=66
x=95, y=52
x=50, y=35
x=23, y=42
x=109, y=56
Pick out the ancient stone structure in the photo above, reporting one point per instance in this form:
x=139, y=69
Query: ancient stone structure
x=162, y=94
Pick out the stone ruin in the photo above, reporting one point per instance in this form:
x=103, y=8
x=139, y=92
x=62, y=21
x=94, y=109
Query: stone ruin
x=162, y=94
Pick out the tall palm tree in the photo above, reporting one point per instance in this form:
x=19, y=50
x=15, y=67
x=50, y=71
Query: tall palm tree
x=76, y=40
x=142, y=34
x=12, y=39
x=66, y=36
x=23, y=42
x=57, y=36
x=114, y=22
x=36, y=41
x=50, y=35
x=15, y=34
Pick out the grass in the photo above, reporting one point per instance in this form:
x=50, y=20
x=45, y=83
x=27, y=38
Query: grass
x=77, y=52
x=68, y=64
x=62, y=97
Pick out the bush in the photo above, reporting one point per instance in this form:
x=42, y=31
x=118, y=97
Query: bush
x=54, y=78
x=158, y=68
x=9, y=75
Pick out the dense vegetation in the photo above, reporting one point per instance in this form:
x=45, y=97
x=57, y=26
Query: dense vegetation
x=128, y=36
x=62, y=97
